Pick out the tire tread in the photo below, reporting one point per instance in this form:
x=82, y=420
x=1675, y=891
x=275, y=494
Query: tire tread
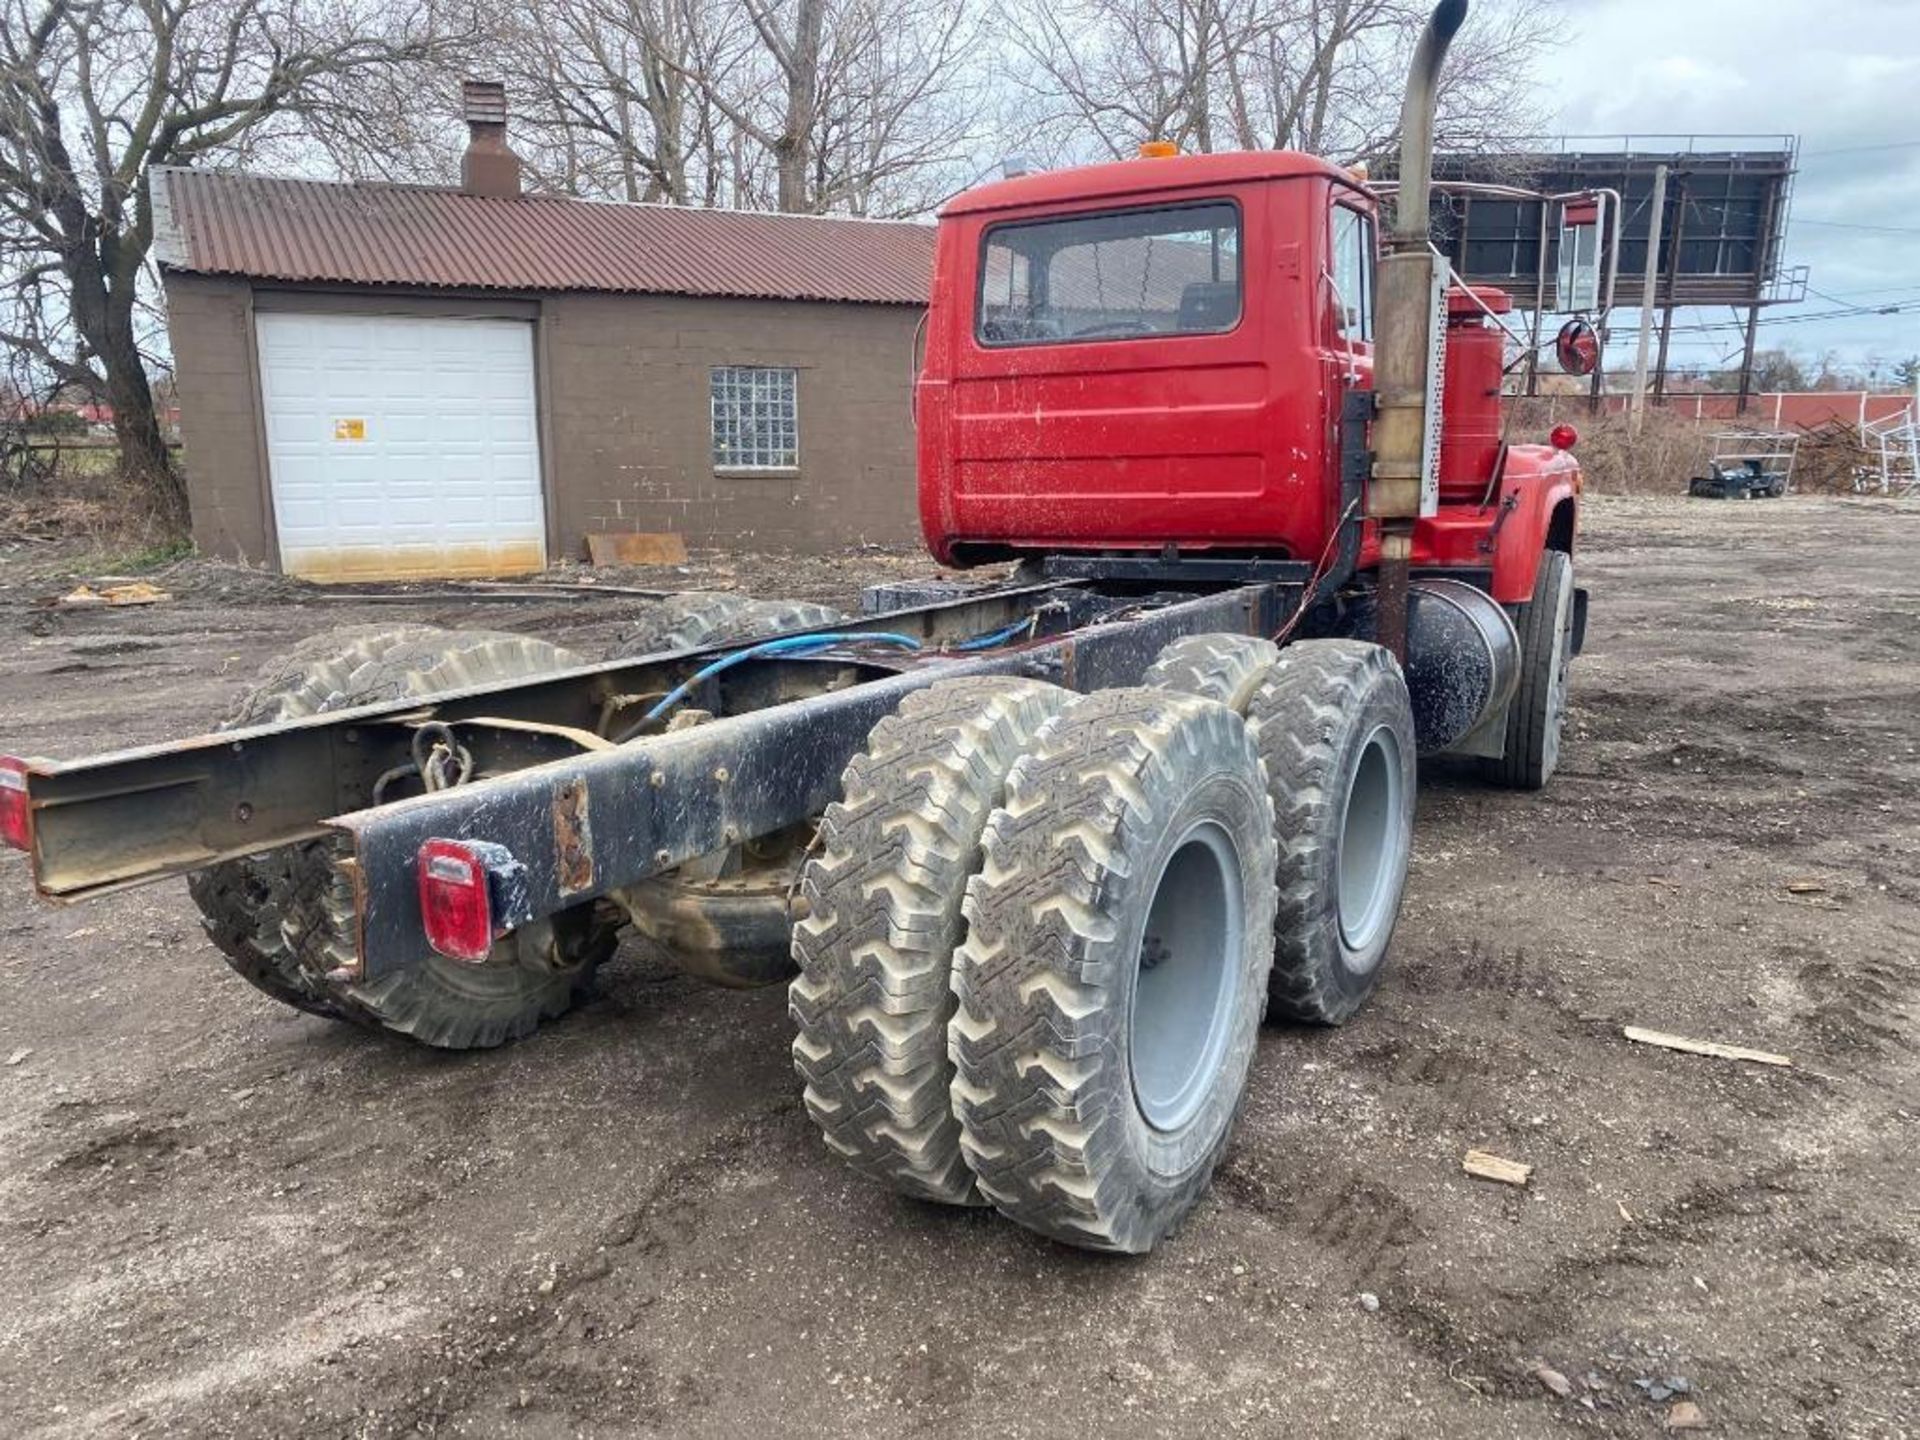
x=883, y=896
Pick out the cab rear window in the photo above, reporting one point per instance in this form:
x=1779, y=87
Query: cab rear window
x=1111, y=275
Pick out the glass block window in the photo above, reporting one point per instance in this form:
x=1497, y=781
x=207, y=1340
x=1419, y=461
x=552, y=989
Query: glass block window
x=756, y=418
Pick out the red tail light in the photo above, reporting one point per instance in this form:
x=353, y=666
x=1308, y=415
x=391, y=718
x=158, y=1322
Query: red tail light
x=16, y=819
x=471, y=893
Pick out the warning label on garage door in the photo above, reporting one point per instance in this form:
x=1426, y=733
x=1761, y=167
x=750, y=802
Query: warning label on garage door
x=355, y=429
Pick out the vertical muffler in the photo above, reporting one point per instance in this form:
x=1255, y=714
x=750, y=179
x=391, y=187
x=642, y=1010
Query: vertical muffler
x=1409, y=353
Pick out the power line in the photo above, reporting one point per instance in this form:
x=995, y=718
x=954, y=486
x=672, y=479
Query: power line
x=1849, y=225
x=1862, y=149
x=1872, y=290
x=1854, y=312
x=1851, y=300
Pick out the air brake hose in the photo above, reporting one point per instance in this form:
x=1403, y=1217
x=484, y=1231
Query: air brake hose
x=810, y=644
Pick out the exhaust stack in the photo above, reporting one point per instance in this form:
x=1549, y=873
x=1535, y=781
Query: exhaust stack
x=1416, y=120
x=1412, y=332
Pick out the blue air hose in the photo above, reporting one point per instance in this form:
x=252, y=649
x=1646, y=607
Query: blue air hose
x=785, y=645
x=809, y=644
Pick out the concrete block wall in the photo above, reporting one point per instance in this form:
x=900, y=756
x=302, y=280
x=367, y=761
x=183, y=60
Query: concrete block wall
x=625, y=413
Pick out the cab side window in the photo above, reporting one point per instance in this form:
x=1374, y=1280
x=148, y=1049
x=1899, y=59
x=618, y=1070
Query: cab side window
x=1353, y=273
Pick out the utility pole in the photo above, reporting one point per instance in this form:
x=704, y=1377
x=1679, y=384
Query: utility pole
x=1673, y=289
x=1746, y=360
x=1637, y=402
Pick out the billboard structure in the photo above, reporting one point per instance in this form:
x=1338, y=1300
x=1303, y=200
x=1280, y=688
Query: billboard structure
x=1507, y=219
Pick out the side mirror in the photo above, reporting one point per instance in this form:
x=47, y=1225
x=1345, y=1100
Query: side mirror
x=1582, y=287
x=1577, y=348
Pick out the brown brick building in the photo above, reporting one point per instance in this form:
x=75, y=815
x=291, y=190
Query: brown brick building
x=379, y=381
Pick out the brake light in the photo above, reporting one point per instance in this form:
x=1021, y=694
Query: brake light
x=471, y=893
x=16, y=818
x=1563, y=437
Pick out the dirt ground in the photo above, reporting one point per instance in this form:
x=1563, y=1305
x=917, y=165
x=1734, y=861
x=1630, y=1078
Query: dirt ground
x=219, y=1217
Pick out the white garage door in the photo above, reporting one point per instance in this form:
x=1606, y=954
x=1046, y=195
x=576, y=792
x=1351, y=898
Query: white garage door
x=402, y=448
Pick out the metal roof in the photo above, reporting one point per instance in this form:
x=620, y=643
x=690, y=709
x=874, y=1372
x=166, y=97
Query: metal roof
x=220, y=223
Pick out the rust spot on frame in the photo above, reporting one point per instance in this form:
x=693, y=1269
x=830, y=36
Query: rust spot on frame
x=572, y=838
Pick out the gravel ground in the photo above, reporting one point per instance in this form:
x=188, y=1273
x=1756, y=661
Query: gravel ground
x=219, y=1217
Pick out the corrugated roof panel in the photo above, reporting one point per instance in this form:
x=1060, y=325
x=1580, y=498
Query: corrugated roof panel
x=306, y=230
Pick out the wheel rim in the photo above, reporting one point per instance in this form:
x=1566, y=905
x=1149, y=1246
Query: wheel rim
x=1370, y=830
x=1190, y=951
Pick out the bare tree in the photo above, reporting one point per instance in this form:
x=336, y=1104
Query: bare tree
x=1100, y=76
x=610, y=96
x=93, y=95
x=860, y=106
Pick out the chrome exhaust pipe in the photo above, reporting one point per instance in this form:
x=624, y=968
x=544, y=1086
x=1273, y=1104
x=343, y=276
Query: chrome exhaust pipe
x=1412, y=203
x=1411, y=331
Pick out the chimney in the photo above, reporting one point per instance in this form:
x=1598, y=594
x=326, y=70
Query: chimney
x=488, y=168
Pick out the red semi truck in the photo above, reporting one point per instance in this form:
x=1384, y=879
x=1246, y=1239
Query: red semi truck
x=1151, y=357
x=1034, y=856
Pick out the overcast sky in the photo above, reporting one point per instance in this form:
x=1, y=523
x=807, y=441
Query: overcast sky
x=1843, y=75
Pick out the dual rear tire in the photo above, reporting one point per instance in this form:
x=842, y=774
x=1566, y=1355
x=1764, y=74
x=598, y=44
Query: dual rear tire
x=1044, y=928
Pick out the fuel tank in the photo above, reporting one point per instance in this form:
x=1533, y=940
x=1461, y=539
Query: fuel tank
x=1470, y=437
x=1463, y=662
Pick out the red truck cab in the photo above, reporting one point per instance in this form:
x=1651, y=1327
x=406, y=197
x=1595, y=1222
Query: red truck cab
x=1151, y=357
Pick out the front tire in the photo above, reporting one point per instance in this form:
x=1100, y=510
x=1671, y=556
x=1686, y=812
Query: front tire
x=1537, y=714
x=1114, y=971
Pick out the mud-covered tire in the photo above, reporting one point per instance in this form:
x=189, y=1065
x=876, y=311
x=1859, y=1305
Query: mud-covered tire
x=677, y=622
x=236, y=898
x=458, y=660
x=1114, y=970
x=296, y=910
x=714, y=617
x=1334, y=727
x=315, y=675
x=237, y=904
x=536, y=973
x=1226, y=668
x=884, y=896
x=776, y=617
x=1537, y=714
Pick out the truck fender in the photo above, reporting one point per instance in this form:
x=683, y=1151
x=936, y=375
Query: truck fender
x=1543, y=518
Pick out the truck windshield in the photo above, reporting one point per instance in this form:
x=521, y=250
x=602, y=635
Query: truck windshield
x=1111, y=276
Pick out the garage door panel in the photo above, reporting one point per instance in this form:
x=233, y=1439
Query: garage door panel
x=508, y=430
x=402, y=447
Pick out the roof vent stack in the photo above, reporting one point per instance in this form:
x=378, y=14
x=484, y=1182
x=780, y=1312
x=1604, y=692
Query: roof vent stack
x=489, y=167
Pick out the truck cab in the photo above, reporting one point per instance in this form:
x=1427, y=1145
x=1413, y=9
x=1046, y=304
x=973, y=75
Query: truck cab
x=1154, y=358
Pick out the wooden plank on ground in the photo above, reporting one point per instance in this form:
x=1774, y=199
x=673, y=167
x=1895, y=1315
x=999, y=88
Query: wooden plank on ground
x=1484, y=1165
x=637, y=548
x=1703, y=1047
